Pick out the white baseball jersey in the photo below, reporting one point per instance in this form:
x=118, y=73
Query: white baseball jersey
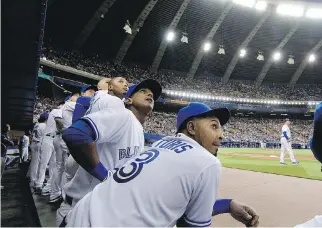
x=67, y=113
x=103, y=100
x=51, y=123
x=38, y=132
x=119, y=137
x=175, y=177
x=24, y=142
x=287, y=129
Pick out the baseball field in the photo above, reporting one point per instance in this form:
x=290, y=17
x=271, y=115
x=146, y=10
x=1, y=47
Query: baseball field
x=267, y=161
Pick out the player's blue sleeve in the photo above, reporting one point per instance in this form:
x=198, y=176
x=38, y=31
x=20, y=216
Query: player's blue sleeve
x=285, y=135
x=315, y=142
x=221, y=206
x=79, y=133
x=82, y=105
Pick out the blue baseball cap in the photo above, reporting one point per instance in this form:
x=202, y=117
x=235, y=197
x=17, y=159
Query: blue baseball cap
x=150, y=84
x=196, y=109
x=88, y=87
x=44, y=115
x=68, y=97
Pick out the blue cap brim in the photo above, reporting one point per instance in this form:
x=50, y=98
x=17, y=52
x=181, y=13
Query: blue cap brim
x=88, y=87
x=150, y=84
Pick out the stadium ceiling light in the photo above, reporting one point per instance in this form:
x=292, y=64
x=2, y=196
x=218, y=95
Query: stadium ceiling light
x=260, y=56
x=127, y=27
x=221, y=50
x=290, y=60
x=314, y=13
x=248, y=3
x=242, y=53
x=184, y=38
x=170, y=36
x=290, y=10
x=261, y=5
x=206, y=46
x=311, y=58
x=277, y=56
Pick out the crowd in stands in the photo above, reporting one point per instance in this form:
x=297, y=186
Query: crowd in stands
x=43, y=104
x=176, y=81
x=239, y=129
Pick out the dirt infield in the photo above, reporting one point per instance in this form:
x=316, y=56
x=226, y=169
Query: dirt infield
x=267, y=156
x=279, y=200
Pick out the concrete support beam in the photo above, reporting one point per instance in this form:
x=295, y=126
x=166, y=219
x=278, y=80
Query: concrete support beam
x=196, y=62
x=303, y=64
x=137, y=25
x=92, y=23
x=244, y=44
x=269, y=61
x=164, y=43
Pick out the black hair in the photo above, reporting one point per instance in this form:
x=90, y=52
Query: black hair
x=61, y=103
x=41, y=120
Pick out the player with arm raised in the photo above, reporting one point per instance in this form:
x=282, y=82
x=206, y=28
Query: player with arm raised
x=174, y=182
x=286, y=144
x=107, y=139
x=110, y=94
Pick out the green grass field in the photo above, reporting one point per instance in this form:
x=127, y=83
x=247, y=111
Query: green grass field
x=267, y=161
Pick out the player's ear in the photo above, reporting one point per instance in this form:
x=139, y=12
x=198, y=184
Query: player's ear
x=191, y=127
x=128, y=101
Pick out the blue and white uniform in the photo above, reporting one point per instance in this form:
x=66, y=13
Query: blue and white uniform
x=286, y=144
x=47, y=152
x=175, y=178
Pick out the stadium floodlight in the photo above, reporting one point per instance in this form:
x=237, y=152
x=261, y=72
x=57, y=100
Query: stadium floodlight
x=248, y=3
x=206, y=46
x=314, y=13
x=277, y=56
x=260, y=56
x=290, y=60
x=242, y=53
x=290, y=10
x=170, y=36
x=221, y=50
x=184, y=38
x=127, y=27
x=261, y=5
x=311, y=58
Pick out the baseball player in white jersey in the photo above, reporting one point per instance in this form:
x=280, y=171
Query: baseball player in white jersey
x=286, y=144
x=109, y=95
x=37, y=135
x=60, y=146
x=24, y=147
x=174, y=182
x=107, y=139
x=47, y=152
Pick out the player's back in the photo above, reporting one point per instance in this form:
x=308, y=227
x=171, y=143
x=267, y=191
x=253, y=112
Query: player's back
x=51, y=124
x=154, y=189
x=67, y=113
x=119, y=137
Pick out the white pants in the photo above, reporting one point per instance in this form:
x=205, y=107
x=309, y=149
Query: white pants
x=33, y=168
x=285, y=145
x=47, y=154
x=62, y=212
x=61, y=157
x=24, y=155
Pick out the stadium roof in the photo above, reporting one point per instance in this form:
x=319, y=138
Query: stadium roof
x=97, y=27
